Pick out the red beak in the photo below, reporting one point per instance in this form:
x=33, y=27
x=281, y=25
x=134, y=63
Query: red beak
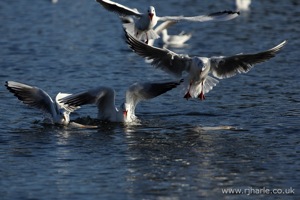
x=125, y=114
x=151, y=16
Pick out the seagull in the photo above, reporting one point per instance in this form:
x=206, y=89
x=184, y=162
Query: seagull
x=142, y=28
x=35, y=97
x=170, y=40
x=104, y=98
x=175, y=40
x=242, y=5
x=198, y=81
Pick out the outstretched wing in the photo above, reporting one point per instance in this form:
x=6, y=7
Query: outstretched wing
x=143, y=91
x=217, y=16
x=103, y=97
x=118, y=8
x=163, y=59
x=225, y=67
x=32, y=96
x=65, y=106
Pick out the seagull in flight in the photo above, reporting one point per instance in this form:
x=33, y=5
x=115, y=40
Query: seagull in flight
x=104, y=98
x=198, y=69
x=142, y=28
x=35, y=97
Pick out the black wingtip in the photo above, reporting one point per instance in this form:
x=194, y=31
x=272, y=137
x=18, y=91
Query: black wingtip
x=225, y=12
x=8, y=87
x=231, y=12
x=180, y=81
x=175, y=84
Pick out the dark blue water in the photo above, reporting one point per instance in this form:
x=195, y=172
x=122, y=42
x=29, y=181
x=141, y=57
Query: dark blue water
x=176, y=152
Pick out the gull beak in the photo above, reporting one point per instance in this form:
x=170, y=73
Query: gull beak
x=150, y=16
x=125, y=114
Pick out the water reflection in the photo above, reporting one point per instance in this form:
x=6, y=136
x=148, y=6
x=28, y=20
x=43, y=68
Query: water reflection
x=180, y=162
x=150, y=159
x=173, y=164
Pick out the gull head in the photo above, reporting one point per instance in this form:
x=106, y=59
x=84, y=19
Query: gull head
x=128, y=112
x=63, y=117
x=196, y=67
x=124, y=110
x=151, y=12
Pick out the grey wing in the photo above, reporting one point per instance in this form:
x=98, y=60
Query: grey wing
x=32, y=96
x=163, y=59
x=164, y=25
x=103, y=97
x=225, y=67
x=217, y=16
x=144, y=91
x=118, y=8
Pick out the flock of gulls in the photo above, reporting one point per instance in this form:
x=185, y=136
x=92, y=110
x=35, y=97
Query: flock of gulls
x=197, y=74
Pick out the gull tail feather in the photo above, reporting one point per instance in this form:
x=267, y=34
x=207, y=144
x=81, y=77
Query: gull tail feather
x=197, y=88
x=209, y=83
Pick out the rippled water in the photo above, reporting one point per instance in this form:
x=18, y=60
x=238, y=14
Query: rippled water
x=182, y=149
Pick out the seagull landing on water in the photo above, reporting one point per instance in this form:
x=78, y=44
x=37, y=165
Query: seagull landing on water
x=142, y=28
x=104, y=98
x=35, y=97
x=198, y=82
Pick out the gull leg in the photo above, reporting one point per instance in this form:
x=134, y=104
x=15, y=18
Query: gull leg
x=201, y=95
x=188, y=95
x=147, y=40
